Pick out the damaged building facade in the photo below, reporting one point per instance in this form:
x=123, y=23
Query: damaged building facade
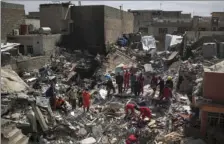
x=12, y=16
x=96, y=26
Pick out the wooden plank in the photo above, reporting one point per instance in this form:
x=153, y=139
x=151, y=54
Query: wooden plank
x=213, y=108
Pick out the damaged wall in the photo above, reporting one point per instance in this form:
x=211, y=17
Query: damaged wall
x=12, y=16
x=116, y=23
x=96, y=25
x=213, y=86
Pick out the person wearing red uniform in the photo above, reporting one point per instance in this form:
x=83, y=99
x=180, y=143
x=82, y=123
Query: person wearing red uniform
x=126, y=79
x=154, y=82
x=130, y=109
x=86, y=100
x=132, y=139
x=145, y=112
x=167, y=94
x=141, y=81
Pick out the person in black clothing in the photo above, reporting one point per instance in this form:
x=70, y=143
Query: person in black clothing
x=51, y=93
x=180, y=80
x=110, y=86
x=119, y=82
x=137, y=88
x=79, y=93
x=161, y=86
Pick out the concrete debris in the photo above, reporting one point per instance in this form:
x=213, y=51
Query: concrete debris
x=69, y=99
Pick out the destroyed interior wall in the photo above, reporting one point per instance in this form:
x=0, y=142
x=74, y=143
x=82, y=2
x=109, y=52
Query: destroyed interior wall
x=12, y=16
x=94, y=26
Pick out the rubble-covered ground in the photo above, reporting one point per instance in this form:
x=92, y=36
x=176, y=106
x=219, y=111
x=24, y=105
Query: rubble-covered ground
x=104, y=123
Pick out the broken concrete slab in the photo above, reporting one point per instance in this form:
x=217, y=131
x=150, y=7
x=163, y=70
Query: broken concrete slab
x=89, y=140
x=11, y=82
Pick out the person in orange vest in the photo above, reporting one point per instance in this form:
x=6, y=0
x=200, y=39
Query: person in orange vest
x=130, y=109
x=60, y=104
x=126, y=79
x=86, y=99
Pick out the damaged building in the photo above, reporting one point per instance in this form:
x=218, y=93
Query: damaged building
x=96, y=26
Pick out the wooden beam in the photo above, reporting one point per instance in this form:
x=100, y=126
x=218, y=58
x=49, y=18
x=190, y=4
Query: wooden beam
x=213, y=108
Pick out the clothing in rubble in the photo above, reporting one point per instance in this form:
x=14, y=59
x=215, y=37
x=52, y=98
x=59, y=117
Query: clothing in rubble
x=36, y=85
x=119, y=82
x=141, y=80
x=133, y=79
x=86, y=99
x=126, y=79
x=154, y=82
x=161, y=86
x=109, y=85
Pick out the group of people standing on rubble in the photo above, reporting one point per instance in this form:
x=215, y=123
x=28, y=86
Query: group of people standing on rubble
x=77, y=97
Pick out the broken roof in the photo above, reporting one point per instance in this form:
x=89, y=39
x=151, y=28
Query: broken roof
x=219, y=68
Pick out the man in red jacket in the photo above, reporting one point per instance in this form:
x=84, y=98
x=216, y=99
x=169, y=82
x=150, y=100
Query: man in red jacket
x=167, y=94
x=145, y=112
x=130, y=109
x=126, y=79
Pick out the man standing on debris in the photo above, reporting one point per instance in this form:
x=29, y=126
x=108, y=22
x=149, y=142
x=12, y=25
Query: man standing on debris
x=154, y=82
x=137, y=88
x=169, y=82
x=133, y=79
x=110, y=86
x=141, y=81
x=72, y=97
x=80, y=99
x=51, y=93
x=167, y=94
x=86, y=99
x=161, y=86
x=119, y=82
x=126, y=79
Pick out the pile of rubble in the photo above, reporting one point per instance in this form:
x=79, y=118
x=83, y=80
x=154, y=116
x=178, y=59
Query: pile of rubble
x=105, y=121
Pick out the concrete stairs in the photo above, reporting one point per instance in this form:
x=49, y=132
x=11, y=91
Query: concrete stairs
x=12, y=135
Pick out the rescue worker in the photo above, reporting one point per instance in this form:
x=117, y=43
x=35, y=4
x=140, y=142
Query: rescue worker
x=132, y=139
x=153, y=83
x=144, y=112
x=137, y=88
x=110, y=86
x=161, y=86
x=119, y=82
x=51, y=93
x=169, y=82
x=86, y=100
x=60, y=104
x=72, y=97
x=141, y=82
x=133, y=79
x=130, y=109
x=167, y=93
x=126, y=79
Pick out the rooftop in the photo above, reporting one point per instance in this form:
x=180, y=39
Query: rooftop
x=219, y=68
x=151, y=11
